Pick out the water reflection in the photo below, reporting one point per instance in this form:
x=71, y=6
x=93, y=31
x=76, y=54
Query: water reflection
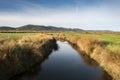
x=55, y=47
x=87, y=60
x=90, y=62
x=31, y=74
x=65, y=64
x=105, y=76
x=34, y=72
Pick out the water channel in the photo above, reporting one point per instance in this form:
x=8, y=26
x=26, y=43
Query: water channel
x=67, y=63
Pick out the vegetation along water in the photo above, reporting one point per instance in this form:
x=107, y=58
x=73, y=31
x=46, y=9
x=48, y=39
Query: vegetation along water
x=21, y=52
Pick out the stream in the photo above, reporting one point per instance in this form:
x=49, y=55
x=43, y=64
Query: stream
x=67, y=63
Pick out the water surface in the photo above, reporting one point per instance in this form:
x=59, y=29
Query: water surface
x=66, y=64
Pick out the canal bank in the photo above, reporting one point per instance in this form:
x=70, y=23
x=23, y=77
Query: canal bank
x=67, y=63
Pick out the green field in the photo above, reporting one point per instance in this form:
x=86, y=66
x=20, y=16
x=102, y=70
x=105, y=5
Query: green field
x=15, y=35
x=111, y=40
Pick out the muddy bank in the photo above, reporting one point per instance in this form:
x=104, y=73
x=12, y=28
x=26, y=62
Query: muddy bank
x=20, y=55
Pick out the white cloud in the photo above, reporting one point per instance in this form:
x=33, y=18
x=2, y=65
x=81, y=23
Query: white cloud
x=101, y=17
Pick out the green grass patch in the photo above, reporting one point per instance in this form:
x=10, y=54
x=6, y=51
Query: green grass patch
x=15, y=35
x=111, y=40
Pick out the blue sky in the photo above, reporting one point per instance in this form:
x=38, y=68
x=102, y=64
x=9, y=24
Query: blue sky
x=84, y=14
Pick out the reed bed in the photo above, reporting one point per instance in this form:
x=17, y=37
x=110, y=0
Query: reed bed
x=17, y=56
x=100, y=47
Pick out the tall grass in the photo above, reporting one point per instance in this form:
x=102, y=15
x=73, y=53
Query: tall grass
x=17, y=56
x=103, y=48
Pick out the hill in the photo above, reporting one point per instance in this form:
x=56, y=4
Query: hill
x=30, y=27
x=7, y=28
x=39, y=28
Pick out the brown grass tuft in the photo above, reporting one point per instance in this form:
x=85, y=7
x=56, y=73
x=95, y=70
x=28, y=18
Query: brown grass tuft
x=19, y=55
x=88, y=44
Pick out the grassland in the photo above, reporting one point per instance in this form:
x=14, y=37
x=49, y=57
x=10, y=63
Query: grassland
x=111, y=41
x=15, y=35
x=104, y=48
x=19, y=54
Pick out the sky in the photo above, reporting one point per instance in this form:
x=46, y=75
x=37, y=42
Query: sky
x=83, y=14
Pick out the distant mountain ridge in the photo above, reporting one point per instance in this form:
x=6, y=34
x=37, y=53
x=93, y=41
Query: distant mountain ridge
x=7, y=28
x=38, y=28
x=31, y=27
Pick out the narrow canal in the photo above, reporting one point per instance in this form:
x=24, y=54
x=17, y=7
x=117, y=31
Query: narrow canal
x=67, y=63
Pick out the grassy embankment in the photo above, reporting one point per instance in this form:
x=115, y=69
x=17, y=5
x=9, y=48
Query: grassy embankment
x=103, y=48
x=19, y=54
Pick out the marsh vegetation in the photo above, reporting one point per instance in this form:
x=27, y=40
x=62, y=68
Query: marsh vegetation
x=67, y=63
x=104, y=48
x=20, y=51
x=18, y=55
